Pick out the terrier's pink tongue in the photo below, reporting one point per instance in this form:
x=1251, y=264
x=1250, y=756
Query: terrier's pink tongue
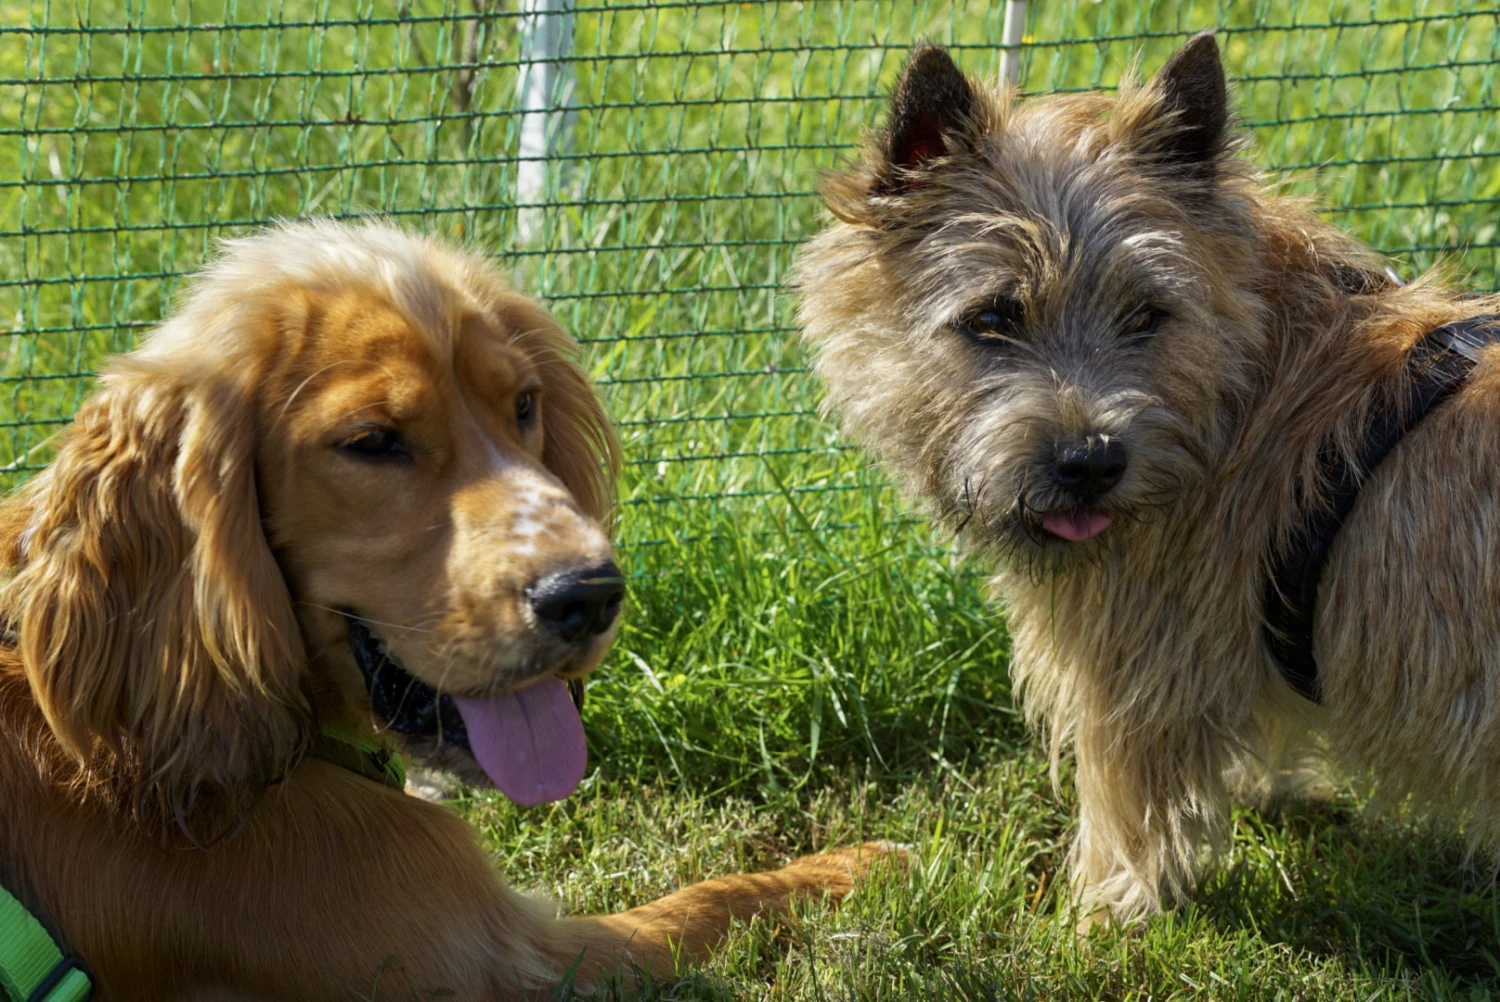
x=530, y=742
x=1076, y=526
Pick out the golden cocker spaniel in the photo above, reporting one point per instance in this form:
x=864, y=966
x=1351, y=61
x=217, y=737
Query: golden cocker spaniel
x=351, y=499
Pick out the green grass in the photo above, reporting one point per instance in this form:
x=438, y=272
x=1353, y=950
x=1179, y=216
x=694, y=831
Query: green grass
x=1320, y=903
x=805, y=664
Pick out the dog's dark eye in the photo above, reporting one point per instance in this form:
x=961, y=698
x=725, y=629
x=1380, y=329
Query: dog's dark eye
x=999, y=320
x=525, y=408
x=377, y=443
x=1144, y=321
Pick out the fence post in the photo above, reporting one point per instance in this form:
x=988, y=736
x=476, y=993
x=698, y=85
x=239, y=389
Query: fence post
x=1014, y=34
x=544, y=85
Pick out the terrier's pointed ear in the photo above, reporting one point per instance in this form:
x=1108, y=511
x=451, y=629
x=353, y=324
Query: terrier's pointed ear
x=1191, y=88
x=932, y=102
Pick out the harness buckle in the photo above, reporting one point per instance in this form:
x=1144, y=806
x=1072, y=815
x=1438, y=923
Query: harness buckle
x=72, y=962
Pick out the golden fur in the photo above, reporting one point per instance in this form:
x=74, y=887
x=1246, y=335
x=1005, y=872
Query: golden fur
x=178, y=581
x=1004, y=277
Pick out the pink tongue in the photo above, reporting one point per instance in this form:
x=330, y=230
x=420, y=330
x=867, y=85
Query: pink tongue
x=530, y=742
x=1076, y=526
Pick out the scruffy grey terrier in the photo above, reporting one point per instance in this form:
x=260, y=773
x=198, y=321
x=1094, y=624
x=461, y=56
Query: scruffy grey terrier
x=1226, y=467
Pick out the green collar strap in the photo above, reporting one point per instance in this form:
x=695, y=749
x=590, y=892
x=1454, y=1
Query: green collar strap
x=32, y=968
x=359, y=754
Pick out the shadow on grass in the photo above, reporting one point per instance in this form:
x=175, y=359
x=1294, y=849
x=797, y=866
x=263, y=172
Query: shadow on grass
x=1393, y=898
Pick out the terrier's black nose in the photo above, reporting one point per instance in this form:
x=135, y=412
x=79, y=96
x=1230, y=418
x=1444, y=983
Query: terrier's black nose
x=578, y=603
x=1089, y=468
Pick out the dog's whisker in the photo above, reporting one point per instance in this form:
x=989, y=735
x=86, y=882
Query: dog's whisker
x=409, y=628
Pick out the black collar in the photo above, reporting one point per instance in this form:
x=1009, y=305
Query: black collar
x=1436, y=367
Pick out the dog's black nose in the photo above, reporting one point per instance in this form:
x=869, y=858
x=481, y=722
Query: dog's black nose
x=1089, y=468
x=578, y=603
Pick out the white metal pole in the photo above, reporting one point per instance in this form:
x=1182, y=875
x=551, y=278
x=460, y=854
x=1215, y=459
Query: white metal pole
x=544, y=85
x=1014, y=33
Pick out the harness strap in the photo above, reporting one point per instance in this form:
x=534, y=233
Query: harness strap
x=32, y=968
x=1436, y=367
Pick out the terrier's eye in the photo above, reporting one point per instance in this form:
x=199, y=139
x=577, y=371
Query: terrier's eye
x=997, y=321
x=525, y=408
x=377, y=444
x=1144, y=321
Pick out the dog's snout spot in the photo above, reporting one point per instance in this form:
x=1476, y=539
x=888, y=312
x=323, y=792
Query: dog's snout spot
x=579, y=603
x=1090, y=468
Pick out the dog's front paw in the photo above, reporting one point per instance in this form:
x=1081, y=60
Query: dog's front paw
x=1092, y=918
x=1118, y=901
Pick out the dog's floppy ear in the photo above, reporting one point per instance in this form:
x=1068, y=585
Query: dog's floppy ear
x=579, y=445
x=156, y=629
x=1192, y=108
x=933, y=103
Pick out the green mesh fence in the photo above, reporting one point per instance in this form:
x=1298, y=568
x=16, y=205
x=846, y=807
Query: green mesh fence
x=137, y=132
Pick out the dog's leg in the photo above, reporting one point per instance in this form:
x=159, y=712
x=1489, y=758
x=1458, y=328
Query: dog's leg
x=1149, y=803
x=1290, y=763
x=336, y=887
x=686, y=924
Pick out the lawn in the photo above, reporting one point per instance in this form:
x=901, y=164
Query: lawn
x=805, y=664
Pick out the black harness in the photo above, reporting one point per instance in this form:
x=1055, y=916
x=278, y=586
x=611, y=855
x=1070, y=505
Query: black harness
x=1436, y=367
